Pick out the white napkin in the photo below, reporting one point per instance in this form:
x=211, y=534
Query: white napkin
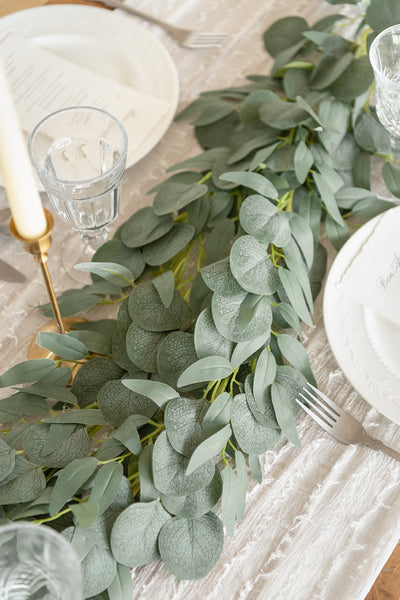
x=42, y=82
x=373, y=276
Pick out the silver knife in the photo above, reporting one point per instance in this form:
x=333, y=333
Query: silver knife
x=8, y=273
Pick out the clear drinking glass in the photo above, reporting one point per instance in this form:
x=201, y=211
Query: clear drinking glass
x=37, y=563
x=79, y=154
x=384, y=56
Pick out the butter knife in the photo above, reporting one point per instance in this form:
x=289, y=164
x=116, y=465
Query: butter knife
x=8, y=273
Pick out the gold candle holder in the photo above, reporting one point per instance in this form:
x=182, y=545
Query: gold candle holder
x=39, y=249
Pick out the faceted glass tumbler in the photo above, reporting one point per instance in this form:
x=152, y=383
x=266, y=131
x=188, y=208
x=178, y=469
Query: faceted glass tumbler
x=384, y=56
x=79, y=154
x=37, y=563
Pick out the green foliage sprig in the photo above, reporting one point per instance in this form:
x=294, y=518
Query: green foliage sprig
x=214, y=281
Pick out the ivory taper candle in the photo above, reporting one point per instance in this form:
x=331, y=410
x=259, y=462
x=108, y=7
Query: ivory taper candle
x=17, y=171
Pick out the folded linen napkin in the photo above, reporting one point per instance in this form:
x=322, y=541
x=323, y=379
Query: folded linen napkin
x=42, y=82
x=372, y=277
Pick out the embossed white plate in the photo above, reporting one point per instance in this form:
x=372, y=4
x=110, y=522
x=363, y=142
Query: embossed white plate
x=365, y=345
x=110, y=44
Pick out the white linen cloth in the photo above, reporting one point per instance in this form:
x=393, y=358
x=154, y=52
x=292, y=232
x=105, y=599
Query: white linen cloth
x=327, y=516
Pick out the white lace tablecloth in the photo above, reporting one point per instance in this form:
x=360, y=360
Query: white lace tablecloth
x=327, y=516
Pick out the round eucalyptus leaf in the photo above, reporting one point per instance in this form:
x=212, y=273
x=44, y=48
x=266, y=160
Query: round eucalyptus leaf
x=183, y=417
x=142, y=347
x=119, y=353
x=284, y=33
x=382, y=13
x=280, y=114
x=135, y=532
x=148, y=311
x=207, y=339
x=144, y=227
x=98, y=570
x=267, y=415
x=371, y=135
x=195, y=504
x=252, y=267
x=114, y=251
x=175, y=353
x=191, y=547
x=260, y=218
x=25, y=483
x=117, y=403
x=7, y=460
x=169, y=470
x=226, y=312
x=249, y=110
x=123, y=317
x=253, y=437
x=76, y=445
x=165, y=248
x=91, y=377
x=219, y=278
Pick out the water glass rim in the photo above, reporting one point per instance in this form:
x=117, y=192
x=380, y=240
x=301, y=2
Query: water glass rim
x=373, y=54
x=121, y=159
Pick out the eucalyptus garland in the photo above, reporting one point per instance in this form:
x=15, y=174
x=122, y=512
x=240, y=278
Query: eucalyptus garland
x=175, y=399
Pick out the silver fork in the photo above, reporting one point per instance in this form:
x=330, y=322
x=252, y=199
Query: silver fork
x=186, y=37
x=337, y=422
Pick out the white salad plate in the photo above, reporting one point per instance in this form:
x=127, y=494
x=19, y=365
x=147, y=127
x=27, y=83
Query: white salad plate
x=111, y=45
x=366, y=345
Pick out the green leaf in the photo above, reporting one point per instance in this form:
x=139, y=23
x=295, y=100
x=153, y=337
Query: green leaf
x=106, y=485
x=254, y=181
x=254, y=464
x=284, y=413
x=27, y=371
x=329, y=69
x=191, y=547
x=252, y=436
x=135, y=532
x=117, y=403
x=95, y=341
x=361, y=170
x=260, y=218
x=7, y=460
x=382, y=13
x=252, y=267
x=371, y=135
x=328, y=197
x=48, y=391
x=338, y=234
x=148, y=311
x=264, y=375
x=282, y=114
x=144, y=227
x=175, y=354
x=209, y=368
x=114, y=251
x=295, y=295
x=241, y=469
x=62, y=345
x=25, y=483
x=85, y=513
x=176, y=196
x=128, y=435
x=148, y=491
x=227, y=317
x=391, y=177
x=142, y=347
x=169, y=470
x=113, y=272
x=209, y=448
x=165, y=286
x=207, y=340
x=229, y=500
x=202, y=162
x=121, y=587
x=56, y=445
x=182, y=418
x=303, y=161
x=158, y=392
x=164, y=249
x=219, y=239
x=296, y=354
x=69, y=480
x=219, y=278
x=284, y=33
x=196, y=504
x=244, y=350
x=91, y=377
x=218, y=415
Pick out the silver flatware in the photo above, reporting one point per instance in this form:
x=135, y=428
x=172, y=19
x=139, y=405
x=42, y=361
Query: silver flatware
x=186, y=37
x=337, y=422
x=9, y=273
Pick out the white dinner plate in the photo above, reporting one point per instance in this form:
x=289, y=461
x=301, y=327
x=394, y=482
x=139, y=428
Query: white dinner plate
x=366, y=346
x=111, y=45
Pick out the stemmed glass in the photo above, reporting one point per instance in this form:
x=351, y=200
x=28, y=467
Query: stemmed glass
x=384, y=56
x=37, y=563
x=79, y=154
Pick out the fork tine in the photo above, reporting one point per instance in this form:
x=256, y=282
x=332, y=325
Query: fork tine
x=323, y=414
x=328, y=401
x=322, y=423
x=317, y=401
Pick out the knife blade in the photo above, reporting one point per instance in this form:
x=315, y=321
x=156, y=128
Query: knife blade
x=8, y=273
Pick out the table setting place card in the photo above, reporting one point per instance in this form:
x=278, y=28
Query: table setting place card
x=43, y=82
x=372, y=277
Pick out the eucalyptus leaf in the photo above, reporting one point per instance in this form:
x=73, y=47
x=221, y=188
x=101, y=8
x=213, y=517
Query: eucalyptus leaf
x=261, y=219
x=254, y=464
x=165, y=286
x=209, y=368
x=165, y=248
x=253, y=181
x=191, y=547
x=382, y=13
x=283, y=412
x=264, y=375
x=207, y=340
x=91, y=377
x=144, y=227
x=23, y=484
x=27, y=371
x=209, y=448
x=252, y=267
x=296, y=354
x=183, y=418
x=226, y=315
x=142, y=347
x=114, y=251
x=229, y=491
x=148, y=491
x=121, y=587
x=106, y=485
x=7, y=460
x=113, y=272
x=252, y=436
x=196, y=504
x=156, y=391
x=175, y=354
x=177, y=196
x=117, y=400
x=128, y=435
x=219, y=239
x=284, y=33
x=218, y=414
x=74, y=445
x=148, y=311
x=295, y=295
x=69, y=480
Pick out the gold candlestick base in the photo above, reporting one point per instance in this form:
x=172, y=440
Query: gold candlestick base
x=39, y=249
